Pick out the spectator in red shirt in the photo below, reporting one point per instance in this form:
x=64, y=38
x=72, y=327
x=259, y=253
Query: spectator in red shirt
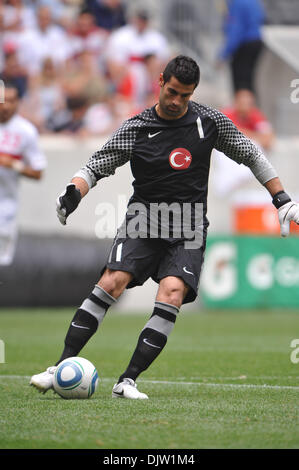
x=228, y=176
x=86, y=35
x=250, y=120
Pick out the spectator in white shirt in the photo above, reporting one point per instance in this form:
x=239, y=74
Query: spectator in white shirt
x=63, y=11
x=44, y=96
x=47, y=40
x=87, y=36
x=128, y=47
x=17, y=17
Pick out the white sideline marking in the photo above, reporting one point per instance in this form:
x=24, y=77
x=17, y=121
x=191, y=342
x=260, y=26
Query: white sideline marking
x=167, y=382
x=207, y=384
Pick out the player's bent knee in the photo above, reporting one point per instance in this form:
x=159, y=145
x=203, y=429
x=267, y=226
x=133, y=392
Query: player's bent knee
x=115, y=282
x=173, y=297
x=172, y=290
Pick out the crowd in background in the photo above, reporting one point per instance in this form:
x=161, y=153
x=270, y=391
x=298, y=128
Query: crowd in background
x=80, y=66
x=83, y=66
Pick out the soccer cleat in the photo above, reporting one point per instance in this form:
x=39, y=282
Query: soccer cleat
x=43, y=381
x=127, y=389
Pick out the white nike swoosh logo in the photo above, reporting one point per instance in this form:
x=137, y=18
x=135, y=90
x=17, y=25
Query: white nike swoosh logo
x=78, y=326
x=188, y=272
x=150, y=344
x=150, y=136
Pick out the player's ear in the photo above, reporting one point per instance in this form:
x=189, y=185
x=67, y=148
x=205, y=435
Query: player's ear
x=161, y=79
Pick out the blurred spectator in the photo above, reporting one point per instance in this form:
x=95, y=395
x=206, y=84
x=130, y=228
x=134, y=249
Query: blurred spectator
x=126, y=51
x=133, y=42
x=83, y=119
x=140, y=87
x=47, y=40
x=71, y=119
x=87, y=36
x=59, y=52
x=250, y=120
x=17, y=17
x=153, y=71
x=243, y=44
x=63, y=12
x=44, y=96
x=228, y=175
x=81, y=75
x=109, y=14
x=13, y=72
x=105, y=116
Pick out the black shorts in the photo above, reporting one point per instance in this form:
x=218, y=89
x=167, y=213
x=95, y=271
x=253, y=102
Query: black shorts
x=158, y=258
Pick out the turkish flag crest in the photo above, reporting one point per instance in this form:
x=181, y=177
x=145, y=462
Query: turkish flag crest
x=180, y=159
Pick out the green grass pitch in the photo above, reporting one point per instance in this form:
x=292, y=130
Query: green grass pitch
x=225, y=380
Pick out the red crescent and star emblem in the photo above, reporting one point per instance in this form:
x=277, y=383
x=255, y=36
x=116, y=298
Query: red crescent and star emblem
x=180, y=159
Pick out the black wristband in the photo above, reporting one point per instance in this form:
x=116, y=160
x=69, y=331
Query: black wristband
x=280, y=198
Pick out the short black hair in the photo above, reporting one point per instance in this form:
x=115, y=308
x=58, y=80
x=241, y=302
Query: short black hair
x=184, y=69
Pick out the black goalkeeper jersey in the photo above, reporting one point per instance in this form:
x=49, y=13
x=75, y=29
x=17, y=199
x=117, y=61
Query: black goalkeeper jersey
x=170, y=159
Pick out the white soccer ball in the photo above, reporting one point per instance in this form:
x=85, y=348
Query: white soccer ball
x=75, y=377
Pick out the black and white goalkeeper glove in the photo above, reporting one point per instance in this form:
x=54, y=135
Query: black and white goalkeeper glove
x=67, y=202
x=288, y=211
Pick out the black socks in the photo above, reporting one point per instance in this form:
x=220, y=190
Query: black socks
x=152, y=339
x=86, y=321
x=151, y=342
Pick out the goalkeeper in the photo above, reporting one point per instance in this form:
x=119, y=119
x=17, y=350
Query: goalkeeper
x=169, y=148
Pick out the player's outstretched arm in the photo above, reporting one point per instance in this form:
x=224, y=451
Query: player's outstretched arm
x=69, y=200
x=115, y=153
x=288, y=210
x=238, y=147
